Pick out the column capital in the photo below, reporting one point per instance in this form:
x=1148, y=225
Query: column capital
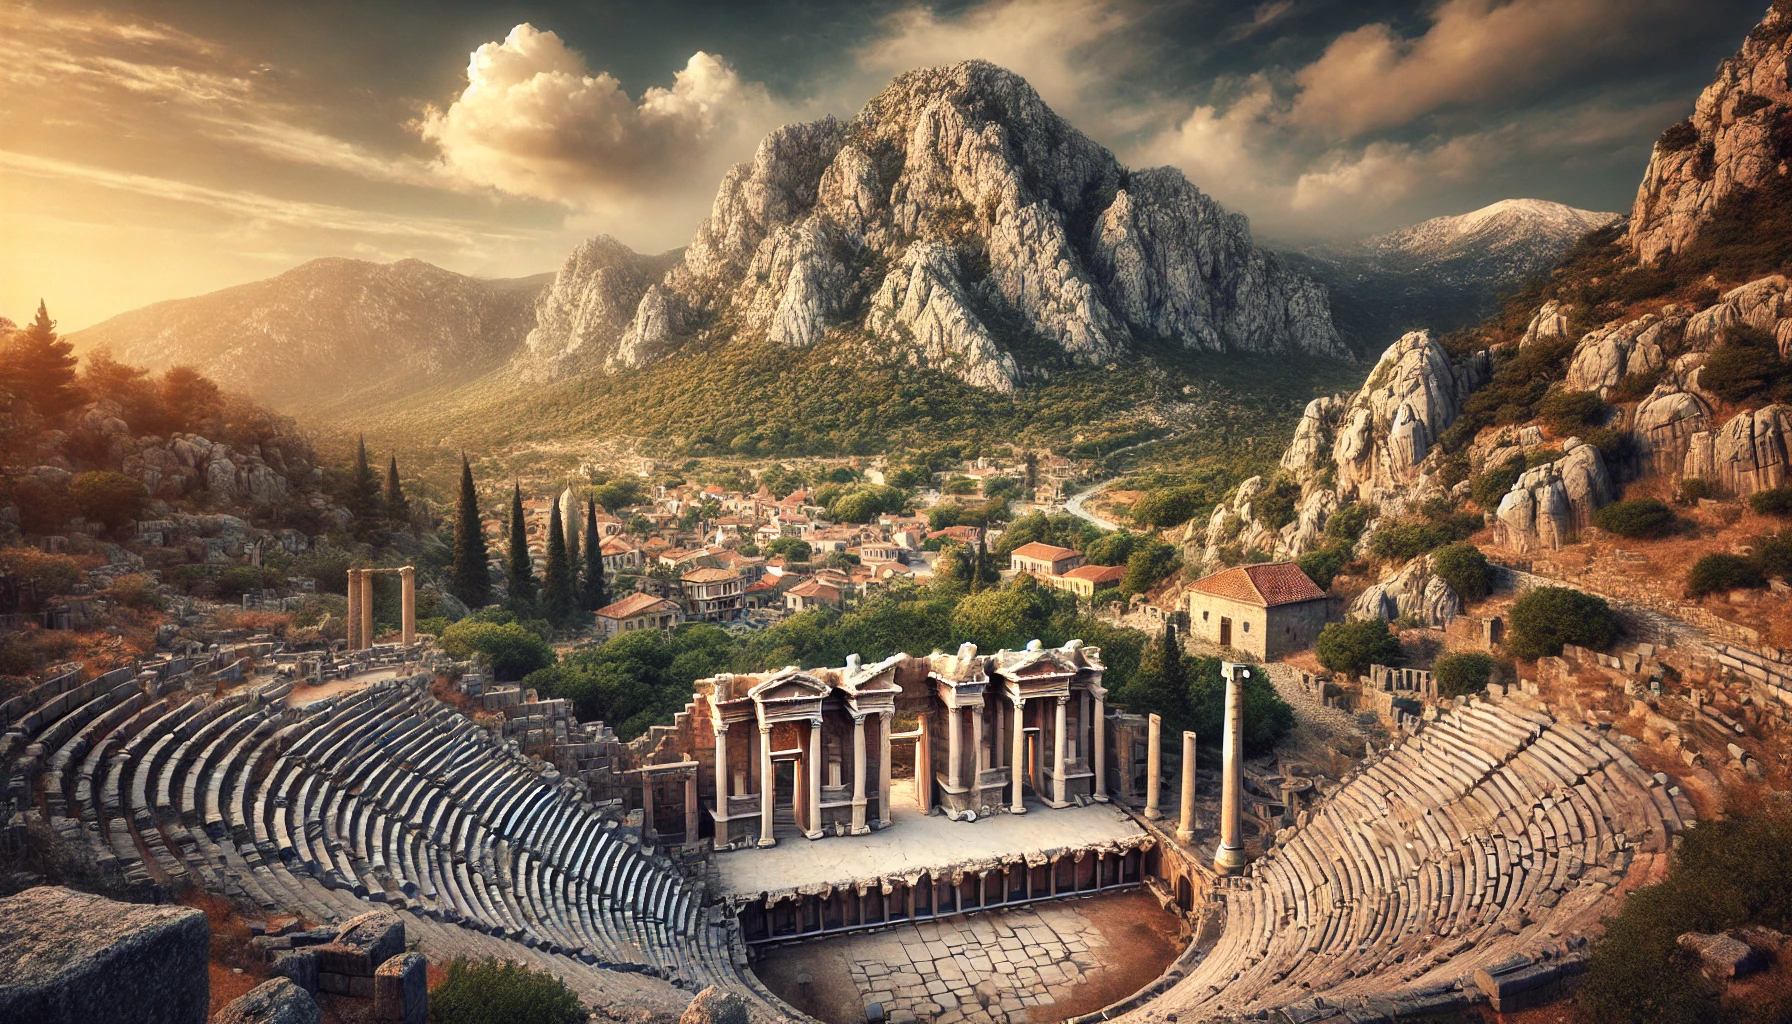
x=858, y=717
x=1063, y=699
x=1017, y=699
x=816, y=721
x=765, y=727
x=886, y=714
x=719, y=726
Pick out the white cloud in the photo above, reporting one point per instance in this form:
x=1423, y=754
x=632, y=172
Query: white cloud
x=535, y=121
x=1475, y=52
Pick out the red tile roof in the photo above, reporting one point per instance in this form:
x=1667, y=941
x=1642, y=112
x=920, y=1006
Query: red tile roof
x=1096, y=573
x=633, y=604
x=1269, y=584
x=1043, y=552
x=710, y=575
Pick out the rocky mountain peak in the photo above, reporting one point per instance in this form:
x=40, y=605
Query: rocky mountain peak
x=1733, y=143
x=1520, y=227
x=955, y=221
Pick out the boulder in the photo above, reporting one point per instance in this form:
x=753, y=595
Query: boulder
x=1664, y=426
x=1751, y=452
x=1549, y=323
x=401, y=989
x=1550, y=504
x=1605, y=357
x=277, y=1001
x=68, y=957
x=1412, y=593
x=714, y=1006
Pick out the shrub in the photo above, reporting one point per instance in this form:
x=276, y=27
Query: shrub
x=1775, y=554
x=502, y=992
x=134, y=591
x=1545, y=618
x=1459, y=675
x=110, y=498
x=512, y=648
x=1571, y=412
x=1491, y=486
x=1678, y=136
x=1637, y=517
x=1347, y=523
x=1465, y=569
x=1775, y=502
x=1720, y=572
x=1351, y=647
x=1746, y=366
x=1692, y=490
x=1276, y=505
x=1170, y=506
x=48, y=574
x=1407, y=540
x=1323, y=566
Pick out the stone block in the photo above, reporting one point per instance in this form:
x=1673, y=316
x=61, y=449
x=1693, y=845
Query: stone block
x=278, y=1001
x=298, y=965
x=68, y=957
x=1723, y=956
x=401, y=989
x=714, y=1006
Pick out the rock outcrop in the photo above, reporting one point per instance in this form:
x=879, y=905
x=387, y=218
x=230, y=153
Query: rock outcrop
x=1731, y=144
x=1749, y=454
x=272, y=1002
x=1764, y=303
x=957, y=217
x=1634, y=348
x=1413, y=593
x=581, y=317
x=1551, y=504
x=69, y=957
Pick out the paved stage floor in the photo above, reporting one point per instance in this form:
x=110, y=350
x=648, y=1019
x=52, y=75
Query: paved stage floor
x=914, y=842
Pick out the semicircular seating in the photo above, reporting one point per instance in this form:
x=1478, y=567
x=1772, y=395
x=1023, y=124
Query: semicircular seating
x=1494, y=830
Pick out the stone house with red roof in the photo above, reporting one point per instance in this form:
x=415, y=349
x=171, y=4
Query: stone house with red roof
x=1265, y=610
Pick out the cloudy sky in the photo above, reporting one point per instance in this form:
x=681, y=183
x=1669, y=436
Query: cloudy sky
x=151, y=150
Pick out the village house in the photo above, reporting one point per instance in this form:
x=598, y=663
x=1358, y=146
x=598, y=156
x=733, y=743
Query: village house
x=1085, y=580
x=1265, y=610
x=621, y=556
x=811, y=594
x=712, y=595
x=1044, y=560
x=636, y=612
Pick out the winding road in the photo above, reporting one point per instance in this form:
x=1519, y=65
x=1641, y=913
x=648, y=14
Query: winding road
x=1074, y=506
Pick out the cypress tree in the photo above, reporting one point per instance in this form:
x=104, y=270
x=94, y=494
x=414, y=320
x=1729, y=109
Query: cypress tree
x=398, y=507
x=39, y=367
x=366, y=494
x=471, y=580
x=518, y=567
x=572, y=548
x=558, y=601
x=597, y=590
x=977, y=566
x=1175, y=676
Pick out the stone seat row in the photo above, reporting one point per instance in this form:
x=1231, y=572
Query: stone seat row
x=383, y=795
x=1494, y=827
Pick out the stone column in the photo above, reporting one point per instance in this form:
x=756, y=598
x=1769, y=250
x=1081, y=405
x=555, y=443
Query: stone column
x=1101, y=750
x=1058, y=731
x=977, y=760
x=1154, y=766
x=354, y=609
x=1230, y=856
x=366, y=609
x=691, y=828
x=1019, y=752
x=953, y=756
x=407, y=603
x=767, y=784
x=814, y=829
x=1185, y=831
x=721, y=837
x=858, y=776
x=647, y=804
x=924, y=766
x=995, y=746
x=883, y=768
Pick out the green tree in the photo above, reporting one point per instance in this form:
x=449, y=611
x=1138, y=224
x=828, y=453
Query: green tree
x=573, y=555
x=1351, y=647
x=1147, y=565
x=397, y=506
x=1465, y=569
x=558, y=601
x=39, y=367
x=1459, y=675
x=1545, y=618
x=512, y=648
x=110, y=498
x=1637, y=517
x=518, y=569
x=596, y=589
x=471, y=578
x=502, y=992
x=1160, y=686
x=364, y=488
x=1267, y=718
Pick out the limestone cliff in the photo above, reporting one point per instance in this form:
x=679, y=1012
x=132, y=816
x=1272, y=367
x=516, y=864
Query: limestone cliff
x=592, y=300
x=1733, y=142
x=955, y=220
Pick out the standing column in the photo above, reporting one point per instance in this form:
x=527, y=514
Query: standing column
x=407, y=604
x=1084, y=742
x=1058, y=731
x=1101, y=750
x=924, y=766
x=814, y=778
x=1230, y=856
x=767, y=784
x=721, y=837
x=647, y=803
x=995, y=746
x=977, y=760
x=354, y=607
x=1186, y=830
x=366, y=609
x=1154, y=765
x=858, y=775
x=883, y=768
x=1019, y=753
x=953, y=757
x=691, y=827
